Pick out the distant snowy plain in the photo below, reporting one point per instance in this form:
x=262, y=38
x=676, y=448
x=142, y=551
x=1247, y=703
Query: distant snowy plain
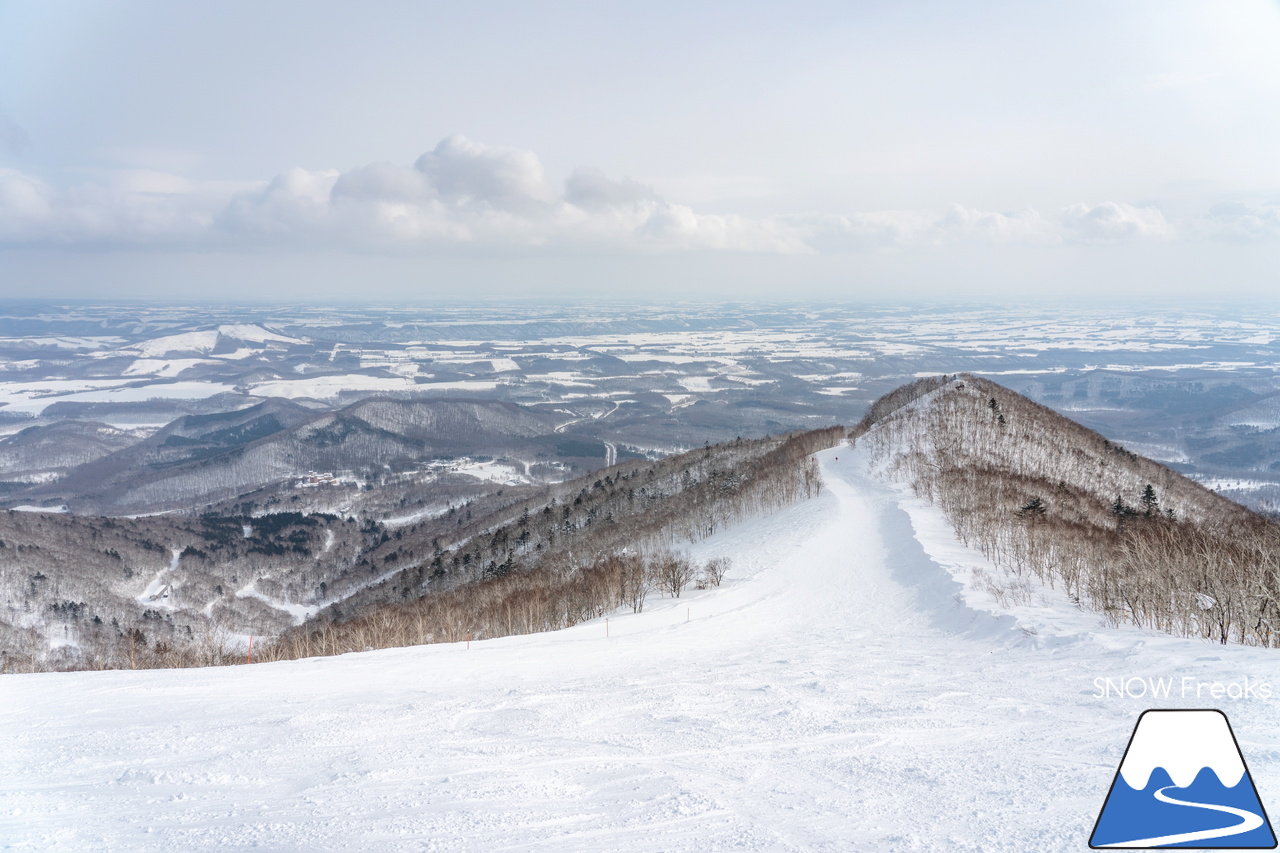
x=849, y=688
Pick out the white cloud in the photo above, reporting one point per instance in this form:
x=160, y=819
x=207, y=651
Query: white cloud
x=676, y=227
x=466, y=194
x=383, y=182
x=135, y=207
x=962, y=224
x=471, y=173
x=900, y=229
x=885, y=229
x=1237, y=222
x=293, y=204
x=1112, y=222
x=591, y=189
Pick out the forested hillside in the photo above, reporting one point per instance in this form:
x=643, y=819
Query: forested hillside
x=199, y=460
x=79, y=591
x=1044, y=497
x=576, y=552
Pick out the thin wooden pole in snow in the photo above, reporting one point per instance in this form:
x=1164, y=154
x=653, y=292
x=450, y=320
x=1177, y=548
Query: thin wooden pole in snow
x=249, y=657
x=606, y=627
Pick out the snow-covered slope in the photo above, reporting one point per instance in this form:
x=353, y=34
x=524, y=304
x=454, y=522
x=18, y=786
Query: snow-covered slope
x=206, y=340
x=838, y=693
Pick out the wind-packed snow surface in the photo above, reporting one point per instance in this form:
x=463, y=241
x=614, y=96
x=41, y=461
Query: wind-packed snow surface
x=839, y=693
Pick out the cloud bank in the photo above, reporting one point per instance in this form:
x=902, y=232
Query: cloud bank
x=464, y=194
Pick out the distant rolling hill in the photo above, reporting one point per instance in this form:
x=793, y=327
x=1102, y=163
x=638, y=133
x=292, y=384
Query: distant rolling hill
x=200, y=459
x=42, y=452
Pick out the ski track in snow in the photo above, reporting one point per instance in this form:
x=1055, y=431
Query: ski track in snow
x=299, y=612
x=838, y=693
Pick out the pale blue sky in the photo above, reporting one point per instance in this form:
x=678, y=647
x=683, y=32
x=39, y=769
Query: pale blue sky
x=865, y=149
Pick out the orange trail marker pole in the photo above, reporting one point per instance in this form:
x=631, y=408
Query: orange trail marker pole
x=249, y=657
x=468, y=639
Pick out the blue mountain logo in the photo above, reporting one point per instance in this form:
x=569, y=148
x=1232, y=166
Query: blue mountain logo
x=1183, y=783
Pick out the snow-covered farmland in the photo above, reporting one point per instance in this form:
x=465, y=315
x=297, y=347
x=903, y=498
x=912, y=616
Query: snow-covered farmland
x=329, y=386
x=493, y=471
x=32, y=398
x=842, y=691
